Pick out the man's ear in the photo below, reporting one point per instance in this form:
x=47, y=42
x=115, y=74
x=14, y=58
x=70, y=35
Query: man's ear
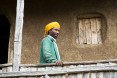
x=49, y=31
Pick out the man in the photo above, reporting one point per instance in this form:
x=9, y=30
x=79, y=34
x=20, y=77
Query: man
x=49, y=52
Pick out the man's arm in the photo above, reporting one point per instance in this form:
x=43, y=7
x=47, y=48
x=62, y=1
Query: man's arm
x=49, y=57
x=47, y=53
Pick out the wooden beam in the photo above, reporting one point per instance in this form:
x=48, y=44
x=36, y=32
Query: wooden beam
x=18, y=34
x=72, y=63
x=6, y=65
x=30, y=73
x=60, y=71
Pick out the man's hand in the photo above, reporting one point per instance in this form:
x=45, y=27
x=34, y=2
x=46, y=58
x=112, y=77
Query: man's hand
x=59, y=63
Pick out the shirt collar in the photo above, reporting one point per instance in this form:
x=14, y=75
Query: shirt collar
x=52, y=38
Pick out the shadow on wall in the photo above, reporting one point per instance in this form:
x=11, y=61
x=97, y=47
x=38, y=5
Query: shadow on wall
x=4, y=39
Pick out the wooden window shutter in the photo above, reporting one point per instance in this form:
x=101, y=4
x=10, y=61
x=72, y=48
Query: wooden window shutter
x=89, y=31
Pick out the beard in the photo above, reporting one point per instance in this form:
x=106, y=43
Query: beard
x=54, y=35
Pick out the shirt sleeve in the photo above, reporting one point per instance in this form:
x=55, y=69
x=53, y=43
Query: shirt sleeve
x=47, y=52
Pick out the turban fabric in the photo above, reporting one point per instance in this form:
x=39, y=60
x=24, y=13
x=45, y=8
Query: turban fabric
x=50, y=26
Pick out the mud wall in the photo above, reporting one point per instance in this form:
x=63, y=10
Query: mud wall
x=38, y=13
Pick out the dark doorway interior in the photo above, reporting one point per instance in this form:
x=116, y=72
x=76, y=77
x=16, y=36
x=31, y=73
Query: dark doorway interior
x=4, y=38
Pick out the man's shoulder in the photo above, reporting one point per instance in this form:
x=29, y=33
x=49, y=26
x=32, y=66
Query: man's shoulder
x=46, y=39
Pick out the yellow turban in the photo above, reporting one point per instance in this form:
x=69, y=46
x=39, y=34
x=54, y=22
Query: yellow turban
x=50, y=26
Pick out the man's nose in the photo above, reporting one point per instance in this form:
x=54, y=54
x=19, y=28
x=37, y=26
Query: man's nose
x=57, y=32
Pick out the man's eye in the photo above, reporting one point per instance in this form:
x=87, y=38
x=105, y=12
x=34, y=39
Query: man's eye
x=56, y=29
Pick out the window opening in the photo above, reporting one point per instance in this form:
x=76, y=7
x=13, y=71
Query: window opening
x=4, y=39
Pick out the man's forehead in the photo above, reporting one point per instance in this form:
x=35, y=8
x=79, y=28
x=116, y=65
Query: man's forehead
x=56, y=28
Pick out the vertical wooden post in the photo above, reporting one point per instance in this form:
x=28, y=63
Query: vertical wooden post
x=18, y=35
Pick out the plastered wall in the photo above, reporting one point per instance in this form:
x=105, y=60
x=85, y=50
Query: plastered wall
x=38, y=13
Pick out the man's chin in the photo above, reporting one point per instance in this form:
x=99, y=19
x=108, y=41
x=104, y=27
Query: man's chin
x=55, y=36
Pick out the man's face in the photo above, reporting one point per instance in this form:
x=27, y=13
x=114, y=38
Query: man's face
x=54, y=32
